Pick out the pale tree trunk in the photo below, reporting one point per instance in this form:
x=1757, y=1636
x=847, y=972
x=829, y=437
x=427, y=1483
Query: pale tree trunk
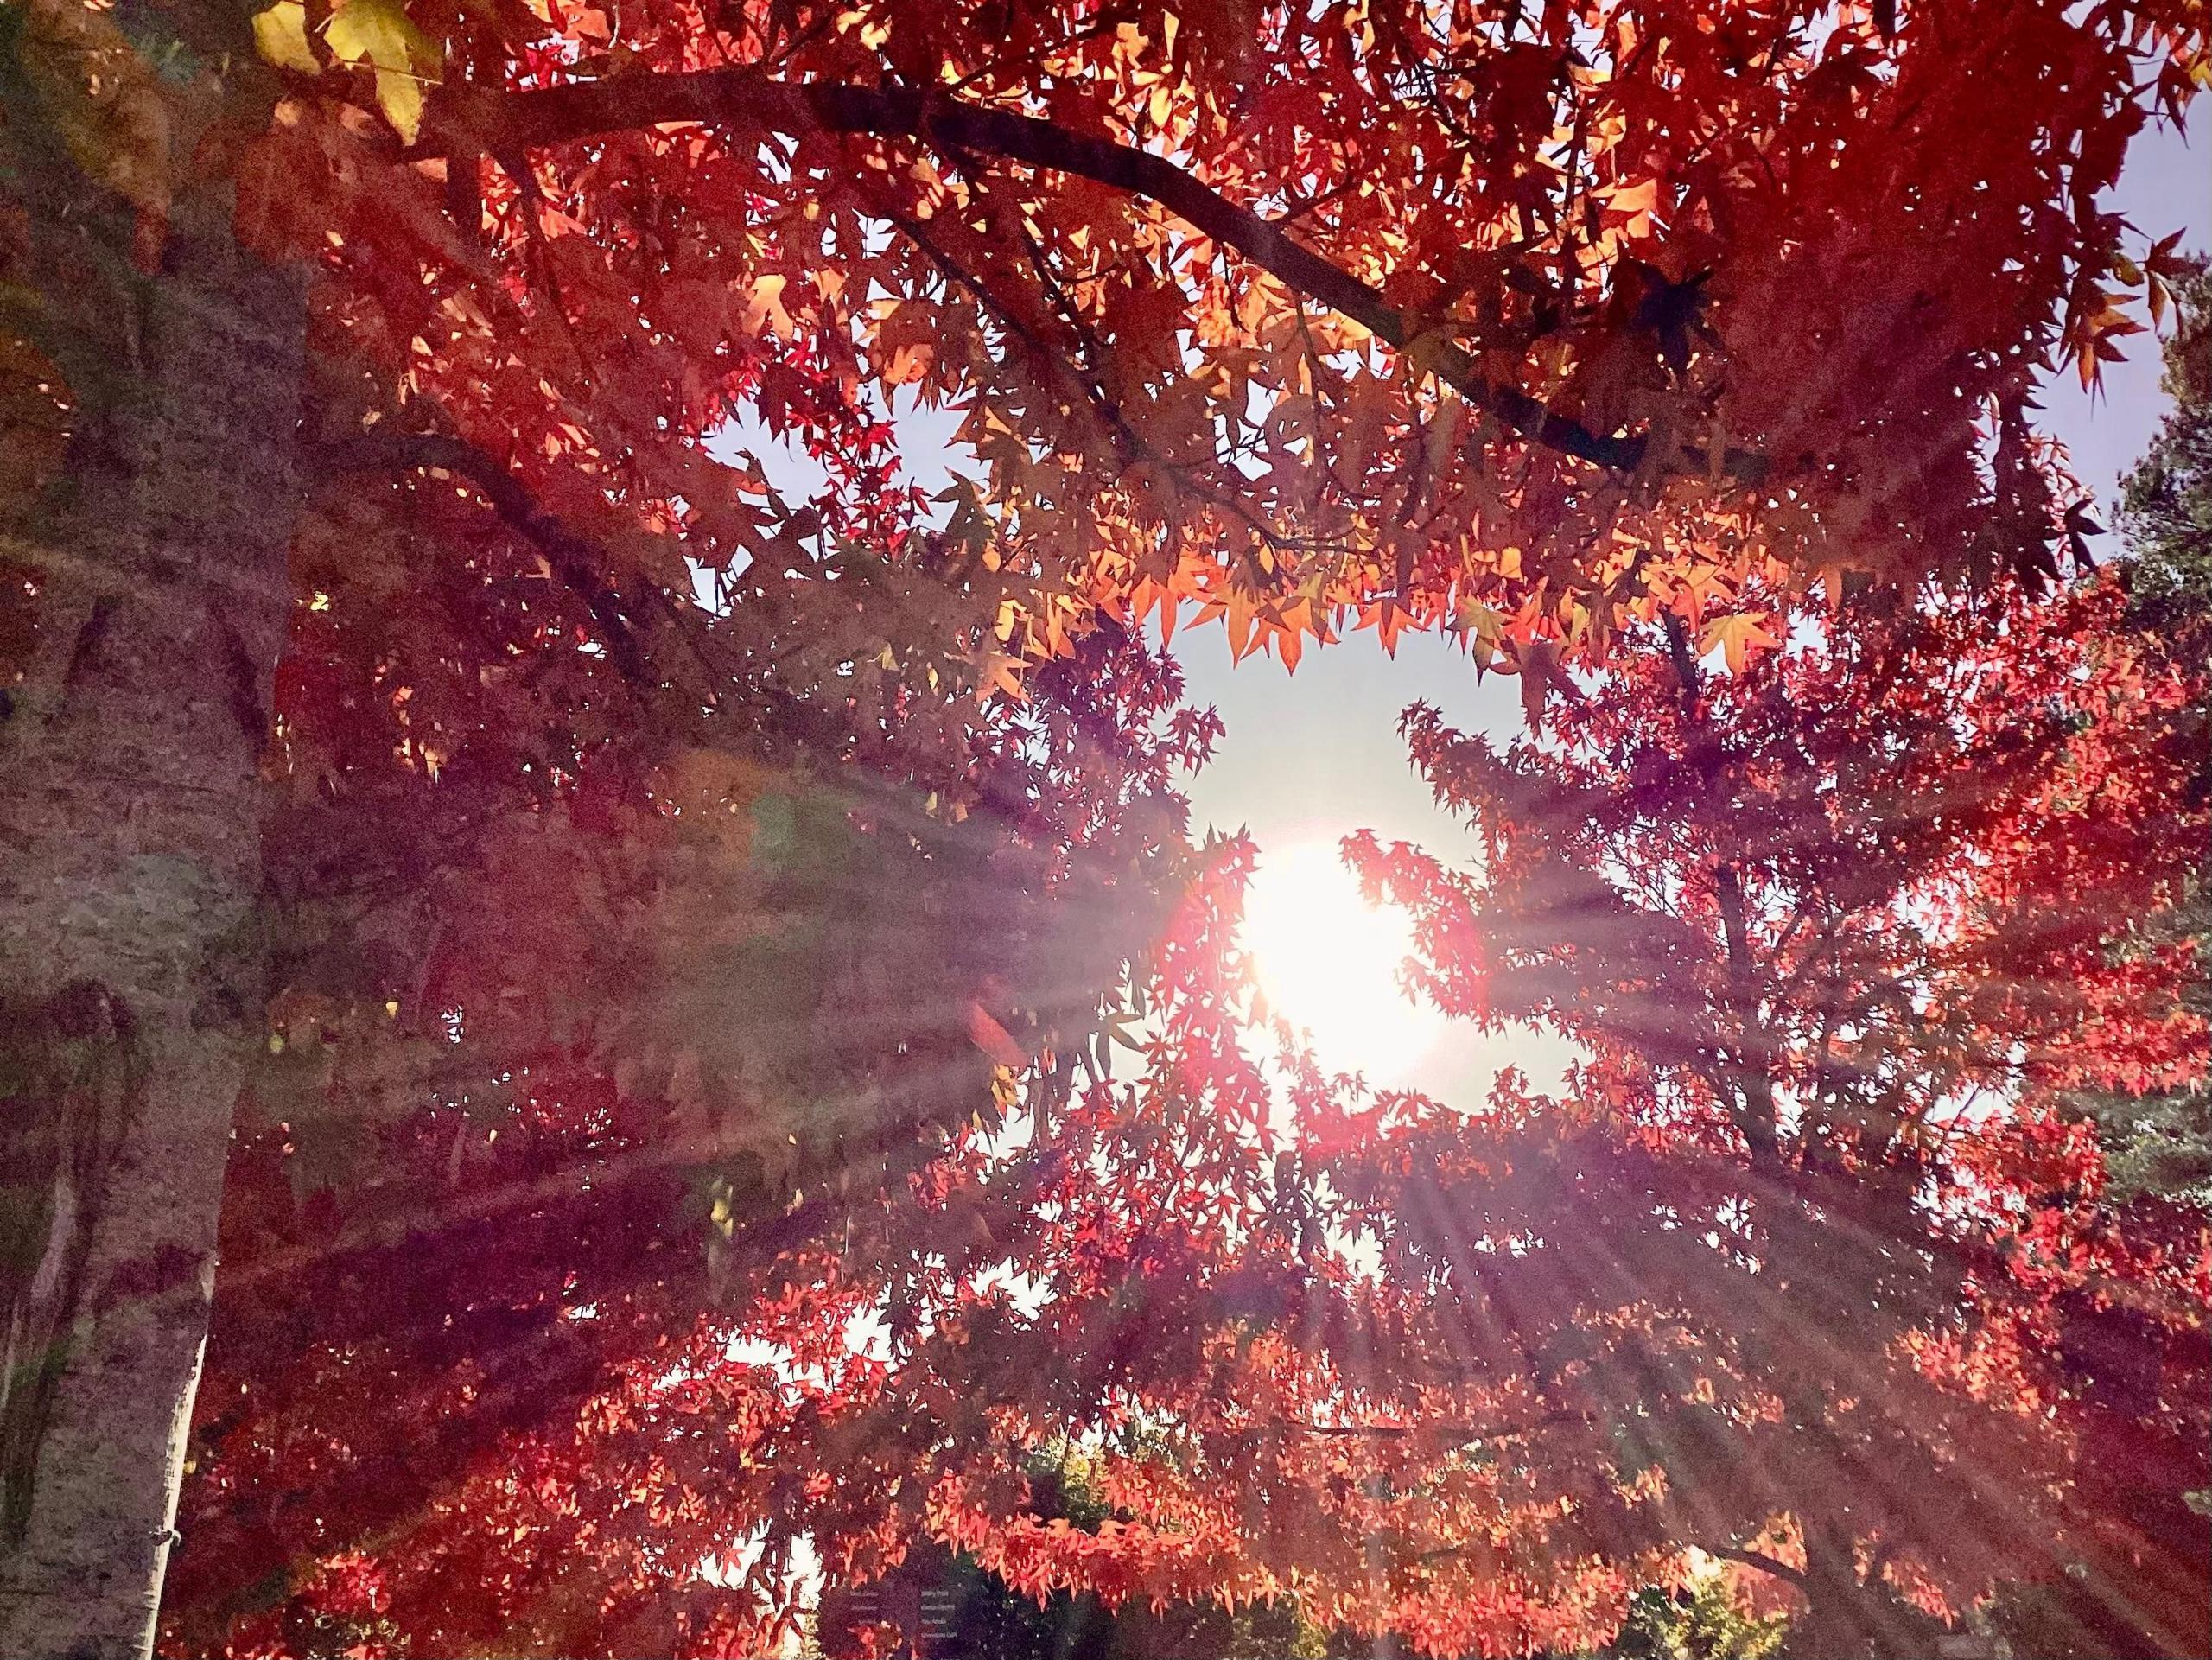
x=130, y=864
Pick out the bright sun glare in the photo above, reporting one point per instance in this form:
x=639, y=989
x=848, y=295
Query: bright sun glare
x=1329, y=963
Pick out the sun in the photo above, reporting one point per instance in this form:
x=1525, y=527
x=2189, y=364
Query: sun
x=1329, y=963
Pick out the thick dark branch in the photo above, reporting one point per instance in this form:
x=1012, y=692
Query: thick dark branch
x=576, y=563
x=1761, y=1560
x=1082, y=380
x=574, y=559
x=463, y=120
x=1128, y=449
x=1684, y=662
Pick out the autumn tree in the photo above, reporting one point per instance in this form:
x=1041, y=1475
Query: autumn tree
x=2162, y=1145
x=1359, y=317
x=537, y=1112
x=953, y=1609
x=698, y=1403
x=2136, y=1469
x=1812, y=1256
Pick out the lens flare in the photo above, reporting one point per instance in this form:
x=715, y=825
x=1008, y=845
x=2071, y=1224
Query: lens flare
x=1329, y=963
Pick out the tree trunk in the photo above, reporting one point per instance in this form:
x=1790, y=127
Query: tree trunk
x=129, y=866
x=1850, y=1619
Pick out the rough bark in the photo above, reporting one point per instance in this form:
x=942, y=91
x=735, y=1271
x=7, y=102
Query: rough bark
x=129, y=866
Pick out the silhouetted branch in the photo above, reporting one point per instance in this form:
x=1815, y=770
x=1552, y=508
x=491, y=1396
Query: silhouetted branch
x=576, y=561
x=469, y=120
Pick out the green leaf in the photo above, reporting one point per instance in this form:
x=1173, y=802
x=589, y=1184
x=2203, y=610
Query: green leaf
x=280, y=33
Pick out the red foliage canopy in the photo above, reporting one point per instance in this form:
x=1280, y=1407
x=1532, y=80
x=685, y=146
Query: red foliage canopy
x=685, y=886
x=1811, y=1256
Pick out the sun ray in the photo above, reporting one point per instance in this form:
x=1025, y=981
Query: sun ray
x=1330, y=963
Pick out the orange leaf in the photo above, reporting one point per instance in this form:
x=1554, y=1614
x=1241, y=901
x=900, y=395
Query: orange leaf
x=994, y=1040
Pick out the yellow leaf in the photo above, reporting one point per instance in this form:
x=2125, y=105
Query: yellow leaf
x=379, y=35
x=1737, y=637
x=764, y=308
x=280, y=33
x=399, y=95
x=1633, y=205
x=1484, y=625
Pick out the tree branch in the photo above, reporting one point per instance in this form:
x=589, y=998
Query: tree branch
x=463, y=120
x=576, y=563
x=574, y=559
x=1761, y=1560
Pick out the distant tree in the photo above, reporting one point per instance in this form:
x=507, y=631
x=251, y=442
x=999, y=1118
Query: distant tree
x=2161, y=1144
x=975, y=1615
x=2142, y=1471
x=1703, y=1621
x=2166, y=502
x=1812, y=1256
